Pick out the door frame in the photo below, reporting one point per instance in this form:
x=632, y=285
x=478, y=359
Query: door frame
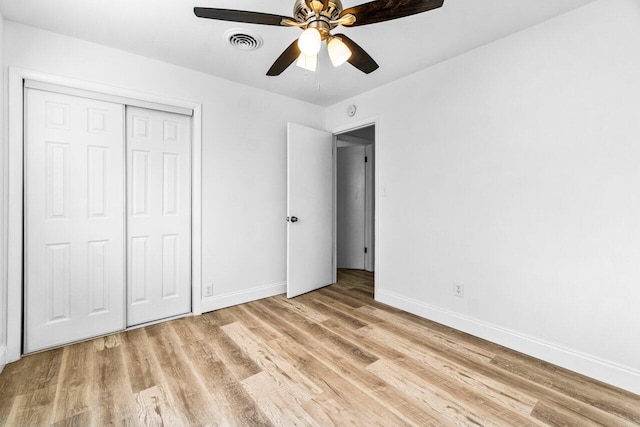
x=14, y=227
x=338, y=130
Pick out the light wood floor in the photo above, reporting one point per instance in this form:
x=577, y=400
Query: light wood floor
x=331, y=357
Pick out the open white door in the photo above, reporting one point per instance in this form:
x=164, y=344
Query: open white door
x=309, y=209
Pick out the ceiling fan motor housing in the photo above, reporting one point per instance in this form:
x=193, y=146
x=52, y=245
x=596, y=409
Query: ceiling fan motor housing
x=307, y=10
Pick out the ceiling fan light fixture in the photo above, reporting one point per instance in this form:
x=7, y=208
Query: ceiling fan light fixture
x=318, y=18
x=339, y=53
x=308, y=62
x=310, y=41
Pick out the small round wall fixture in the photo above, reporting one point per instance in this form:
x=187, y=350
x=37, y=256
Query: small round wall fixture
x=351, y=110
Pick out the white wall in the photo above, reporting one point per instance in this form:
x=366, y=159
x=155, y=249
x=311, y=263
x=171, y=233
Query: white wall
x=3, y=277
x=243, y=153
x=515, y=169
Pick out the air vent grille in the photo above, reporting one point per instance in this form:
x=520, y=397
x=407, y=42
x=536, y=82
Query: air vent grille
x=243, y=39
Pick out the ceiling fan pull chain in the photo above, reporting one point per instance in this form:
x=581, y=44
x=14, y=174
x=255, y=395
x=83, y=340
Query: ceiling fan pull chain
x=318, y=74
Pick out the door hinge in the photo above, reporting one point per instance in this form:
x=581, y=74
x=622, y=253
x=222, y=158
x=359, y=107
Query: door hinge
x=365, y=250
x=366, y=159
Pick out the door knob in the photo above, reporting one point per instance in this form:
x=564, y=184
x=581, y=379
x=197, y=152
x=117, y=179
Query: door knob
x=294, y=219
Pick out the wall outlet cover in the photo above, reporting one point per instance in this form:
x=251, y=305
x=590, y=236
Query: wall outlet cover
x=458, y=290
x=208, y=290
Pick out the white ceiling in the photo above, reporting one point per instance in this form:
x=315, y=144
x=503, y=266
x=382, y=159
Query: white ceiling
x=168, y=30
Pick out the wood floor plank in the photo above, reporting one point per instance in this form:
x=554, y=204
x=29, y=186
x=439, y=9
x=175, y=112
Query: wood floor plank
x=584, y=389
x=334, y=314
x=425, y=334
x=74, y=395
x=6, y=405
x=351, y=397
x=391, y=399
x=234, y=405
x=45, y=370
x=325, y=411
x=448, y=371
x=343, y=389
x=237, y=362
x=282, y=372
x=34, y=409
x=437, y=402
x=339, y=295
x=14, y=415
x=459, y=405
x=305, y=310
x=320, y=333
x=557, y=415
x=142, y=368
x=182, y=384
x=218, y=318
x=275, y=402
x=81, y=419
x=345, y=297
x=513, y=382
x=156, y=408
x=187, y=331
x=113, y=394
x=339, y=305
x=377, y=348
x=255, y=325
x=330, y=357
x=212, y=373
x=41, y=368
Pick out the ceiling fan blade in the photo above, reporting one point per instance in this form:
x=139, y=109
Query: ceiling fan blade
x=385, y=10
x=239, y=16
x=359, y=58
x=285, y=59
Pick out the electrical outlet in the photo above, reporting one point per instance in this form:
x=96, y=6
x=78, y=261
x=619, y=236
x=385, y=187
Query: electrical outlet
x=458, y=290
x=208, y=290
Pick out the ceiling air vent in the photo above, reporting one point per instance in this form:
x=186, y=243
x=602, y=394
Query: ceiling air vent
x=243, y=39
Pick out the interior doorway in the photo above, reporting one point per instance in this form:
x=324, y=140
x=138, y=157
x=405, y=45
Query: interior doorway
x=355, y=199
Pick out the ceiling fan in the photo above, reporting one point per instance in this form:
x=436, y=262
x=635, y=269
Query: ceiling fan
x=317, y=18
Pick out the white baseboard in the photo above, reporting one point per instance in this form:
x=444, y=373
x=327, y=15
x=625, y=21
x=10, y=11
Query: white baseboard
x=3, y=357
x=240, y=297
x=602, y=370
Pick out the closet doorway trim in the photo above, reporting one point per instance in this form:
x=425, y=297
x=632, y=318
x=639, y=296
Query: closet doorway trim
x=100, y=96
x=14, y=188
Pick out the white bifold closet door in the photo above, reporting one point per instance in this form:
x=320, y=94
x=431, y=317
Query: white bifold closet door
x=74, y=217
x=159, y=217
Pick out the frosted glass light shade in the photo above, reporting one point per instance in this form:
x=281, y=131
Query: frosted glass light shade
x=310, y=41
x=308, y=62
x=339, y=53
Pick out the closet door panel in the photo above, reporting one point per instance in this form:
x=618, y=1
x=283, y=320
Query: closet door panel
x=74, y=219
x=159, y=220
